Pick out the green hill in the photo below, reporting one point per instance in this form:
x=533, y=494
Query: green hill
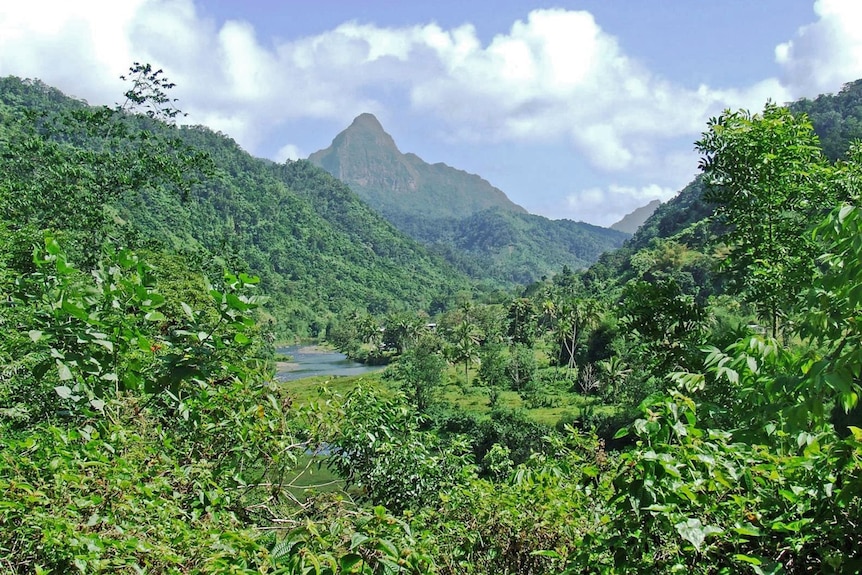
x=317, y=248
x=632, y=221
x=458, y=215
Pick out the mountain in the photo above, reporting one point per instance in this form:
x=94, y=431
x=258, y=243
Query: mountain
x=317, y=248
x=456, y=214
x=631, y=222
x=367, y=159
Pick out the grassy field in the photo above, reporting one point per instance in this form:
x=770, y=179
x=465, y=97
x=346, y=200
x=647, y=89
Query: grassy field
x=474, y=398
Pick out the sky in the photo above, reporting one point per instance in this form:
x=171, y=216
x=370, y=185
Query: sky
x=579, y=109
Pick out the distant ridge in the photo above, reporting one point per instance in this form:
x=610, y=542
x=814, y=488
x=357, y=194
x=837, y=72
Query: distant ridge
x=631, y=222
x=366, y=158
x=458, y=215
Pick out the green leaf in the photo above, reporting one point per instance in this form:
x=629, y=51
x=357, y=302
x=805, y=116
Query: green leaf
x=235, y=303
x=748, y=559
x=349, y=561
x=74, y=310
x=64, y=371
x=109, y=345
x=144, y=343
x=357, y=539
x=387, y=547
x=52, y=247
x=35, y=335
x=693, y=531
x=155, y=316
x=748, y=529
x=64, y=391
x=187, y=309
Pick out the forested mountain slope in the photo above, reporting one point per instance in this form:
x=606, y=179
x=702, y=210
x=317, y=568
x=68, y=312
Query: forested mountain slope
x=685, y=220
x=516, y=248
x=459, y=215
x=632, y=221
x=316, y=247
x=837, y=118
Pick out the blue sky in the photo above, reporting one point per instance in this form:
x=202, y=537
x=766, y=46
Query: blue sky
x=575, y=109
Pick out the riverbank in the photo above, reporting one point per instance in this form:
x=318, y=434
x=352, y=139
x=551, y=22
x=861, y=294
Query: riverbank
x=312, y=359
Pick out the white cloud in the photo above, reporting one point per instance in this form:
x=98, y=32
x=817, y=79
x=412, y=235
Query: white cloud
x=554, y=77
x=606, y=206
x=826, y=54
x=82, y=47
x=288, y=152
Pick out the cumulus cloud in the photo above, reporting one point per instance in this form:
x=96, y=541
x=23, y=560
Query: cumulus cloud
x=288, y=152
x=606, y=206
x=825, y=54
x=554, y=77
x=82, y=47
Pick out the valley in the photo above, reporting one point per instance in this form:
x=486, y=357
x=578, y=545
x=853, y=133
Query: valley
x=542, y=396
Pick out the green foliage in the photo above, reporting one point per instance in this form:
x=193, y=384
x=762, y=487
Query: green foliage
x=521, y=367
x=522, y=321
x=142, y=432
x=764, y=173
x=110, y=498
x=377, y=447
x=365, y=542
x=137, y=452
x=134, y=179
x=837, y=118
x=419, y=372
x=832, y=311
x=665, y=326
x=492, y=369
x=464, y=346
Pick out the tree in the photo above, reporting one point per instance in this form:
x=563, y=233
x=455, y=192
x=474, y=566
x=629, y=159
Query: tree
x=465, y=346
x=521, y=367
x=666, y=324
x=572, y=317
x=763, y=173
x=522, y=321
x=420, y=372
x=402, y=331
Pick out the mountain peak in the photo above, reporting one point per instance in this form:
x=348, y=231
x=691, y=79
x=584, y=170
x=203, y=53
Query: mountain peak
x=400, y=185
x=365, y=132
x=367, y=120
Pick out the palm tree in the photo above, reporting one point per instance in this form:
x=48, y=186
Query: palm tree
x=465, y=346
x=574, y=316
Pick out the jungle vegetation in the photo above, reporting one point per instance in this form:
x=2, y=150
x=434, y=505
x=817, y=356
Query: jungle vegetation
x=689, y=403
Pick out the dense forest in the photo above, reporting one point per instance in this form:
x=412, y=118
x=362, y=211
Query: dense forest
x=688, y=403
x=196, y=193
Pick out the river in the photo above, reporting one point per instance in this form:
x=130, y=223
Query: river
x=311, y=360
